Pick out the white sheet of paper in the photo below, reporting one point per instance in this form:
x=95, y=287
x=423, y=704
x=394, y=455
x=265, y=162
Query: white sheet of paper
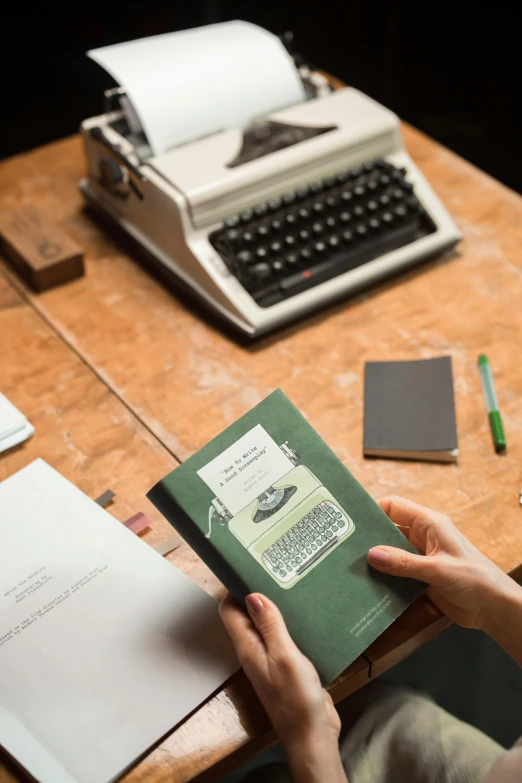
x=11, y=419
x=104, y=645
x=246, y=469
x=189, y=83
x=16, y=437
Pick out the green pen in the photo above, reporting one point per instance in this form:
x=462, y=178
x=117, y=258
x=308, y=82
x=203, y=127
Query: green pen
x=490, y=396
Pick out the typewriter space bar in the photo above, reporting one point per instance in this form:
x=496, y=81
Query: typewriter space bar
x=318, y=554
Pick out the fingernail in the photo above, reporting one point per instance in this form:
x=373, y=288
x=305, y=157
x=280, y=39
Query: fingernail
x=254, y=604
x=378, y=555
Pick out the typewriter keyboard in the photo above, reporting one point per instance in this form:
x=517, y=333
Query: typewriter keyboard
x=307, y=541
x=284, y=246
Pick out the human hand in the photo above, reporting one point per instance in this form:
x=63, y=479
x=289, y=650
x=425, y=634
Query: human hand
x=288, y=686
x=464, y=584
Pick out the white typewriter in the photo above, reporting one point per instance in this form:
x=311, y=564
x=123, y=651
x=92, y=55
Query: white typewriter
x=273, y=219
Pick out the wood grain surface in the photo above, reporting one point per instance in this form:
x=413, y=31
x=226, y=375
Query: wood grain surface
x=90, y=436
x=125, y=378
x=187, y=381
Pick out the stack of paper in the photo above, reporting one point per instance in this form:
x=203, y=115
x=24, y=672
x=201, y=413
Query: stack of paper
x=104, y=645
x=14, y=427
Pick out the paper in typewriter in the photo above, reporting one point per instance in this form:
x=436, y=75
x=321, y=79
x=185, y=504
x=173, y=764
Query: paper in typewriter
x=186, y=84
x=271, y=509
x=104, y=645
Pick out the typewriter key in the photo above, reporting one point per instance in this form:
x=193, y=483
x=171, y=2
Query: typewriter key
x=246, y=216
x=233, y=236
x=245, y=257
x=332, y=201
x=261, y=271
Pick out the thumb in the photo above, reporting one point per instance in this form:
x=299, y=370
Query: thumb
x=399, y=562
x=269, y=622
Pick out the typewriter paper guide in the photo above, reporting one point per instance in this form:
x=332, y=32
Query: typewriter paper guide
x=104, y=645
x=185, y=84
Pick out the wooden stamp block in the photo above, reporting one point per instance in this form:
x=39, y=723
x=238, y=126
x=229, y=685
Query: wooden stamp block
x=42, y=253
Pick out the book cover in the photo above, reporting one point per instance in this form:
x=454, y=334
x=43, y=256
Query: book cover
x=409, y=410
x=271, y=509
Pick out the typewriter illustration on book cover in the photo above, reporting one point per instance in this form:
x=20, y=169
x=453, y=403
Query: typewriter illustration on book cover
x=290, y=526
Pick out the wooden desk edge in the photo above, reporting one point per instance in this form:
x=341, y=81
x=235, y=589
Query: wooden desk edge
x=353, y=678
x=420, y=623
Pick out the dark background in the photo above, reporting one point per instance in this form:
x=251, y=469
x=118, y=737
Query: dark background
x=452, y=69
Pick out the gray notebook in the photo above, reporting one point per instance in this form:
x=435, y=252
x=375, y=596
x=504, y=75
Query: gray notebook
x=409, y=410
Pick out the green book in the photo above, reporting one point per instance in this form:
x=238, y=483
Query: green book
x=271, y=509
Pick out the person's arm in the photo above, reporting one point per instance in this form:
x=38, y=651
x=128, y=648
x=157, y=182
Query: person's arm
x=504, y=620
x=466, y=586
x=288, y=686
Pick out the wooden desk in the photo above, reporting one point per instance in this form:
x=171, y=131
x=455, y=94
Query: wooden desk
x=121, y=380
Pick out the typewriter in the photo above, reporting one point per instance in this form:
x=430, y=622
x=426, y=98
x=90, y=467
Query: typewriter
x=267, y=223
x=291, y=527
